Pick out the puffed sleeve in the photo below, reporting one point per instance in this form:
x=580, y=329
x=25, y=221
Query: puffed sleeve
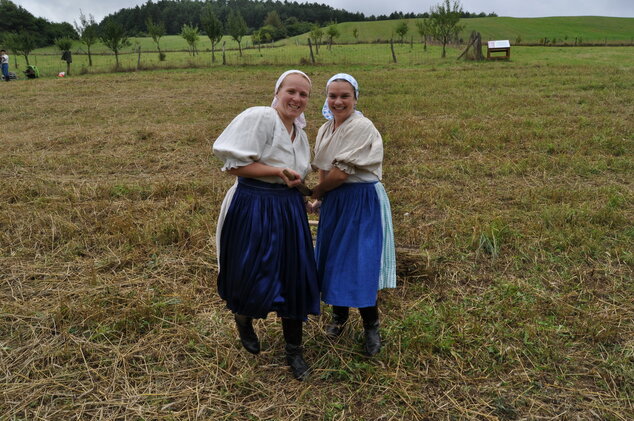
x=246, y=137
x=362, y=148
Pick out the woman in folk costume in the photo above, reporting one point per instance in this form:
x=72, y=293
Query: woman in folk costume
x=265, y=252
x=355, y=242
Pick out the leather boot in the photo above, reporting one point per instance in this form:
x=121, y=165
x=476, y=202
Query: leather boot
x=248, y=337
x=370, y=316
x=339, y=318
x=292, y=330
x=295, y=360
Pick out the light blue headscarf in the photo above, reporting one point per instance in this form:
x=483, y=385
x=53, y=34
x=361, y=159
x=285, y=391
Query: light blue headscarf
x=340, y=76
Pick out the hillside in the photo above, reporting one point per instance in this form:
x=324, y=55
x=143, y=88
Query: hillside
x=592, y=29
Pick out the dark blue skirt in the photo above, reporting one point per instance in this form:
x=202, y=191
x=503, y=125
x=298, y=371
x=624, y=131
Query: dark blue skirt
x=349, y=245
x=266, y=253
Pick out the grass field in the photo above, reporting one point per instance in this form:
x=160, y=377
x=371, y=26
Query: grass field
x=511, y=188
x=357, y=54
x=587, y=29
x=590, y=29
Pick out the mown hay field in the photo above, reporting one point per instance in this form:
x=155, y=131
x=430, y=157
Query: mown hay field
x=511, y=189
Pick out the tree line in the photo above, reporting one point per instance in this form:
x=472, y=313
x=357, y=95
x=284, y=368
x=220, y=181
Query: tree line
x=296, y=18
x=215, y=17
x=15, y=21
x=174, y=14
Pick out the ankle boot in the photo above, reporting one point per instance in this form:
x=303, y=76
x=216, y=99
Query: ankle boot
x=295, y=361
x=248, y=337
x=370, y=316
x=339, y=318
x=292, y=330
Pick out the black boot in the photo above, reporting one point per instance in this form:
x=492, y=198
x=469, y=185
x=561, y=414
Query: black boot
x=248, y=337
x=370, y=316
x=294, y=358
x=339, y=318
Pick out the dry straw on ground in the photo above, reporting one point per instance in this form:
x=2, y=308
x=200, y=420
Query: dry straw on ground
x=512, y=196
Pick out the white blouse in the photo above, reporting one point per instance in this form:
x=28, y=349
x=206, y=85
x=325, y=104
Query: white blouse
x=355, y=147
x=259, y=135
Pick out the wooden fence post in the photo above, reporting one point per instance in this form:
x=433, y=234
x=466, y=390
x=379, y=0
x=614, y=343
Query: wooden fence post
x=392, y=47
x=224, y=58
x=312, y=57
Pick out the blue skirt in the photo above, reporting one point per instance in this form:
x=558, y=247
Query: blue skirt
x=349, y=245
x=266, y=253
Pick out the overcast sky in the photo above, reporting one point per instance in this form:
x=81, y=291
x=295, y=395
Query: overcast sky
x=68, y=10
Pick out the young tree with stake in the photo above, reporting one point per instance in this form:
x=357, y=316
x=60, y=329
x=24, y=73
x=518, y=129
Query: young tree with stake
x=156, y=31
x=401, y=30
x=114, y=37
x=237, y=28
x=88, y=32
x=213, y=27
x=444, y=19
x=332, y=32
x=316, y=35
x=424, y=30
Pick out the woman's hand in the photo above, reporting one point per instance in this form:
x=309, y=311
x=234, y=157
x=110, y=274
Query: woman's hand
x=317, y=194
x=256, y=169
x=328, y=181
x=290, y=177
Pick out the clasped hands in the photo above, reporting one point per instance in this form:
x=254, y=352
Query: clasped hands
x=293, y=179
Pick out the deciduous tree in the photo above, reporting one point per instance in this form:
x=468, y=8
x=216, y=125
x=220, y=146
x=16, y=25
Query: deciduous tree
x=273, y=21
x=332, y=32
x=11, y=43
x=88, y=32
x=424, y=30
x=22, y=43
x=114, y=37
x=401, y=30
x=190, y=34
x=156, y=31
x=316, y=35
x=213, y=27
x=444, y=22
x=237, y=28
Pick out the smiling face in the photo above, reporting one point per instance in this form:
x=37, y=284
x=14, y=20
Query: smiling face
x=341, y=100
x=292, y=97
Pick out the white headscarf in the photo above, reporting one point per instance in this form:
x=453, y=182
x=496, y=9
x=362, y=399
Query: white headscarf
x=300, y=121
x=340, y=76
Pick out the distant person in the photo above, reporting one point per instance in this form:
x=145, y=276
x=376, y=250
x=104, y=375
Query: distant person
x=355, y=242
x=264, y=244
x=4, y=62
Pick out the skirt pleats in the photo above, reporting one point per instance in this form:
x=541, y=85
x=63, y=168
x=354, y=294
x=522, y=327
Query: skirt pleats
x=350, y=245
x=266, y=254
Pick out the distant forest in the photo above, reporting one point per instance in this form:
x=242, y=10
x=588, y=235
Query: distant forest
x=296, y=17
x=16, y=19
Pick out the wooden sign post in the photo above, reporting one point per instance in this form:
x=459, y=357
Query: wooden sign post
x=500, y=46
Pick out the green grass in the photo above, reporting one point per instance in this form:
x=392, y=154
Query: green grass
x=294, y=51
x=511, y=195
x=591, y=29
x=345, y=55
